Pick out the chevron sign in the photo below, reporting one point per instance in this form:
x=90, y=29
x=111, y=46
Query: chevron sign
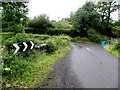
x=21, y=47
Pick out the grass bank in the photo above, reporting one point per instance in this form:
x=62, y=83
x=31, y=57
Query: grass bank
x=30, y=69
x=38, y=70
x=114, y=47
x=111, y=50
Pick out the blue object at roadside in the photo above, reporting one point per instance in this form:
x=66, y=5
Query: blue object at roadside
x=103, y=43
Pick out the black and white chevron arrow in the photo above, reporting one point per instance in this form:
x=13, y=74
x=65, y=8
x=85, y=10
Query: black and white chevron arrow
x=21, y=47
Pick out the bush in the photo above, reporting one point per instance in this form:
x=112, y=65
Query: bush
x=52, y=31
x=94, y=36
x=13, y=65
x=17, y=28
x=116, y=45
x=52, y=45
x=5, y=36
x=18, y=38
x=57, y=42
x=20, y=65
x=83, y=39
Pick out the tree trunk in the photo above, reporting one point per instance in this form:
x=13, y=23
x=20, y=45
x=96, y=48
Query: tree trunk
x=108, y=21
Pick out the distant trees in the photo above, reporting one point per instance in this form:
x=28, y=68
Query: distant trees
x=40, y=23
x=90, y=15
x=85, y=18
x=14, y=16
x=64, y=24
x=97, y=16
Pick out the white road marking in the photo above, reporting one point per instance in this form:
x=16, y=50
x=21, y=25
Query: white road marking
x=72, y=45
x=89, y=49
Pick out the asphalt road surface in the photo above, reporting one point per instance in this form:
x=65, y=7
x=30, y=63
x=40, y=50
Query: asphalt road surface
x=86, y=66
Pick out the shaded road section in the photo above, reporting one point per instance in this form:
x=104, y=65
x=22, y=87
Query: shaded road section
x=86, y=66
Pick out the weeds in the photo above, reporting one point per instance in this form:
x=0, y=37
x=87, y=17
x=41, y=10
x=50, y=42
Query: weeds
x=23, y=68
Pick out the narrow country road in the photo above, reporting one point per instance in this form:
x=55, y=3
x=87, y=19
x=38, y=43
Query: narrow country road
x=86, y=66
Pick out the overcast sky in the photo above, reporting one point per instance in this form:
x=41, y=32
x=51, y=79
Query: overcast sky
x=56, y=8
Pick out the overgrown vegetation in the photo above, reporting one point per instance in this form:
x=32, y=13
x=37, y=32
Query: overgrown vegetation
x=90, y=23
x=114, y=48
x=14, y=17
x=93, y=37
x=90, y=15
x=19, y=69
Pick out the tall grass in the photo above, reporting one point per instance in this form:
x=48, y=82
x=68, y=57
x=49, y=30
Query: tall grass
x=22, y=69
x=114, y=47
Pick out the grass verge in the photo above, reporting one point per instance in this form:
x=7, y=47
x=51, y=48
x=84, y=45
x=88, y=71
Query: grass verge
x=111, y=50
x=29, y=69
x=40, y=67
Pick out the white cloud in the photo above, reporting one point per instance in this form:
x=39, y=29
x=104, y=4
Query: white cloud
x=54, y=8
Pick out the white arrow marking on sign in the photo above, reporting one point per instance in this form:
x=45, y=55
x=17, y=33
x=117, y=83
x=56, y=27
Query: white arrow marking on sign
x=32, y=44
x=17, y=48
x=25, y=46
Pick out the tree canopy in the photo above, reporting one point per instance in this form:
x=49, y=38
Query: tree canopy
x=40, y=23
x=85, y=18
x=105, y=8
x=14, y=16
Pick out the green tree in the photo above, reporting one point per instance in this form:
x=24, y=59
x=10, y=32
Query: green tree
x=14, y=17
x=40, y=24
x=64, y=24
x=0, y=22
x=105, y=8
x=85, y=18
